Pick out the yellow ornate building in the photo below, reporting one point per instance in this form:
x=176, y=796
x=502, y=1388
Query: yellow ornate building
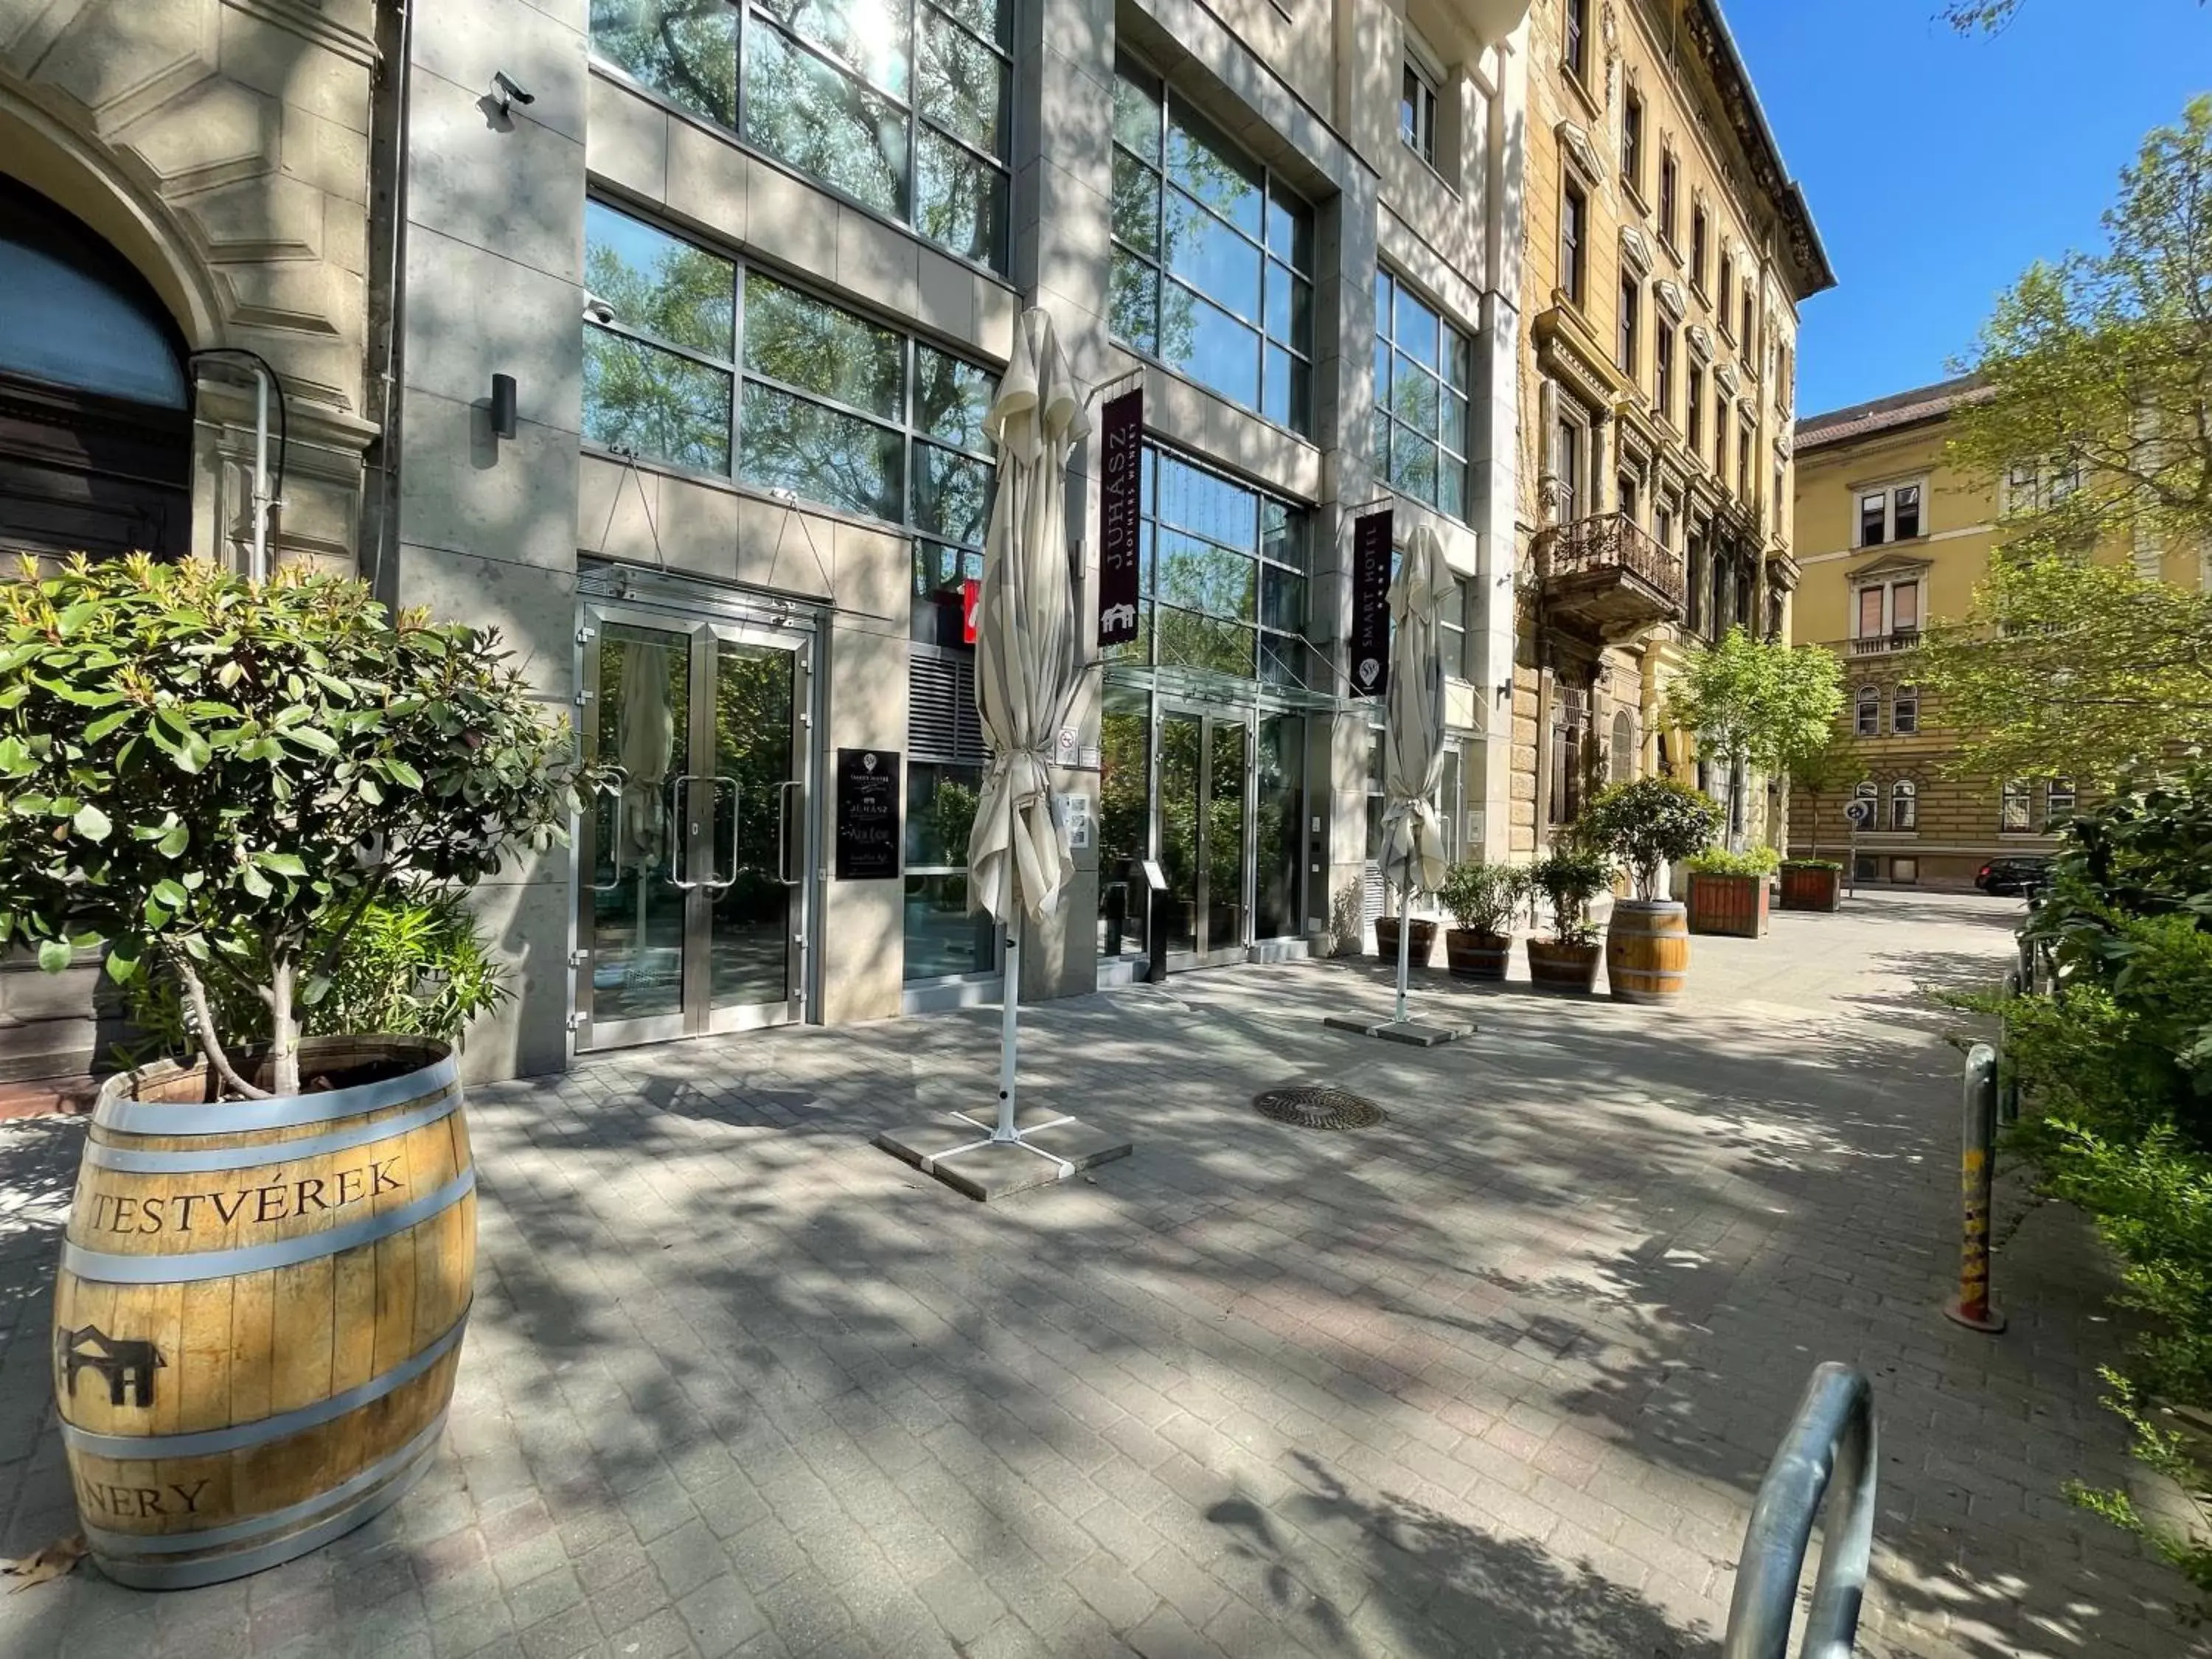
x=1891, y=539
x=1668, y=252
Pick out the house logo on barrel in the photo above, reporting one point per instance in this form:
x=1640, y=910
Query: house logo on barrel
x=125, y=1364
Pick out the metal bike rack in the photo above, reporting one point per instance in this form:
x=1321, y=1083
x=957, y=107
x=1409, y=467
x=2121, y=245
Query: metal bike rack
x=1833, y=1431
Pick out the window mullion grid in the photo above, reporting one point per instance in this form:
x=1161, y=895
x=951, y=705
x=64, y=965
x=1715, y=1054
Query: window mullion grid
x=653, y=342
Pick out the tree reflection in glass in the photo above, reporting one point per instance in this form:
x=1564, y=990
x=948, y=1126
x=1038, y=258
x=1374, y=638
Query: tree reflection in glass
x=685, y=49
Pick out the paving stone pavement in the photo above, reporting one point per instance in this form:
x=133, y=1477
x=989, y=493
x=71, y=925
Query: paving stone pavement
x=1496, y=1378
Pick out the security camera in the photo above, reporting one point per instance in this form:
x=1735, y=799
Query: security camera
x=506, y=89
x=597, y=309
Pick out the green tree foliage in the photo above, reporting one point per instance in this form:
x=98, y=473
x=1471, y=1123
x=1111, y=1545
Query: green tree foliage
x=200, y=770
x=1648, y=823
x=2095, y=409
x=1830, y=770
x=1757, y=703
x=2071, y=667
x=1982, y=16
x=1569, y=879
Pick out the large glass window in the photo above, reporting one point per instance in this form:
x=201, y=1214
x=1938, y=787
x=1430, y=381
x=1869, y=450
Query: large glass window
x=1213, y=270
x=1423, y=371
x=1223, y=575
x=900, y=105
x=942, y=938
x=783, y=391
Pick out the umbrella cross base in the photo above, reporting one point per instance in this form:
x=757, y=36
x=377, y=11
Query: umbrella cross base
x=958, y=1149
x=1417, y=1033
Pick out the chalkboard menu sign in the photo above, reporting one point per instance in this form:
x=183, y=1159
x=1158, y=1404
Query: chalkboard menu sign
x=867, y=814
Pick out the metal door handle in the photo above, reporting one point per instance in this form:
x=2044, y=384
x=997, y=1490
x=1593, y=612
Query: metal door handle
x=679, y=837
x=622, y=786
x=783, y=831
x=729, y=879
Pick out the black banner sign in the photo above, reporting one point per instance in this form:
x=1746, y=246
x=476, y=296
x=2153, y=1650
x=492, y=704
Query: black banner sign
x=1120, y=461
x=1371, y=604
x=867, y=814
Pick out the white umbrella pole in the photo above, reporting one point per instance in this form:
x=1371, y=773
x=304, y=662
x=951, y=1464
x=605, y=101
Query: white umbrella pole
x=1405, y=948
x=1009, y=1005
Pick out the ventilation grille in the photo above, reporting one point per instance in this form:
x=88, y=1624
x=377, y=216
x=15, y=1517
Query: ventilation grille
x=941, y=722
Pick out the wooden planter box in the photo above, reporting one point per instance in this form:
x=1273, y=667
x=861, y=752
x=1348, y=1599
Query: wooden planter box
x=1386, y=940
x=1477, y=956
x=1570, y=970
x=1812, y=887
x=1733, y=905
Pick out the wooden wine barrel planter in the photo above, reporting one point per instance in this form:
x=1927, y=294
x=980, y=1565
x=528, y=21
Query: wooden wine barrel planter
x=1647, y=950
x=1564, y=967
x=1735, y=906
x=1419, y=949
x=1471, y=954
x=260, y=1305
x=1812, y=887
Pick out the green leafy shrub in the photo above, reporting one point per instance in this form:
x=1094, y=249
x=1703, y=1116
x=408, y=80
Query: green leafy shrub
x=1752, y=861
x=212, y=774
x=1648, y=824
x=2115, y=1071
x=1483, y=897
x=415, y=965
x=1569, y=880
x=1810, y=864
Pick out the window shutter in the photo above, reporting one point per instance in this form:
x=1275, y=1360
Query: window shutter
x=941, y=723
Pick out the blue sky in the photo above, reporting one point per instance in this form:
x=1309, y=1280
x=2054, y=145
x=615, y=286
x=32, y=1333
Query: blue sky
x=1938, y=166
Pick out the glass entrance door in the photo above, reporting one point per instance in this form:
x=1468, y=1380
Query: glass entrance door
x=1205, y=767
x=693, y=856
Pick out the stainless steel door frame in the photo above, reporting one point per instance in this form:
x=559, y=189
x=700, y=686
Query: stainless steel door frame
x=1211, y=952
x=691, y=789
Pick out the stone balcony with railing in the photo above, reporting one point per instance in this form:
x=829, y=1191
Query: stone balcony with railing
x=1877, y=644
x=1607, y=574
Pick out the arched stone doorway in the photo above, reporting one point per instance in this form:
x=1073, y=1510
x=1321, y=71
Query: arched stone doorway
x=95, y=416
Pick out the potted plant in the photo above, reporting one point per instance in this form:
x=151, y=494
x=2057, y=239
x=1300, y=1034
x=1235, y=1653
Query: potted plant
x=1569, y=879
x=1812, y=884
x=222, y=783
x=1647, y=825
x=1728, y=890
x=1483, y=899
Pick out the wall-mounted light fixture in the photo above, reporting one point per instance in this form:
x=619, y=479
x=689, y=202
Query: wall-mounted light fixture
x=502, y=405
x=507, y=92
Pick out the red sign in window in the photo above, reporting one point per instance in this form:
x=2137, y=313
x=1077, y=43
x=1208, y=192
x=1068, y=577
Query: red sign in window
x=971, y=601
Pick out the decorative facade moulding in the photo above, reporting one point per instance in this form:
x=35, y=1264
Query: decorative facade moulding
x=1782, y=447
x=1726, y=378
x=1701, y=342
x=1566, y=351
x=1636, y=249
x=1669, y=294
x=1581, y=152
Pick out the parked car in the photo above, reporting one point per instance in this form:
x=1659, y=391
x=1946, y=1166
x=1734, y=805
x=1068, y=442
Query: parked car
x=2025, y=874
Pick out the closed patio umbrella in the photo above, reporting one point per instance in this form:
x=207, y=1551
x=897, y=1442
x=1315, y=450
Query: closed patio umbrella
x=1029, y=662
x=1413, y=857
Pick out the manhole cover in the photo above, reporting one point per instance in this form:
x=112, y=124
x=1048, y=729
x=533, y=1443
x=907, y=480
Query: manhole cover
x=1317, y=1109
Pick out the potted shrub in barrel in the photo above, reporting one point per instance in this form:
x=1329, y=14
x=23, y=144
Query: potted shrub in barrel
x=1423, y=944
x=1569, y=879
x=1728, y=890
x=1483, y=899
x=1812, y=884
x=1648, y=825
x=268, y=1260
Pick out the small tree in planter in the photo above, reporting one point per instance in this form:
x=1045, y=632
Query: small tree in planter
x=1647, y=825
x=1757, y=703
x=214, y=775
x=1482, y=899
x=1569, y=879
x=220, y=779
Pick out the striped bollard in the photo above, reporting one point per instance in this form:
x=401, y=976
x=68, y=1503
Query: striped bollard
x=1977, y=1171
